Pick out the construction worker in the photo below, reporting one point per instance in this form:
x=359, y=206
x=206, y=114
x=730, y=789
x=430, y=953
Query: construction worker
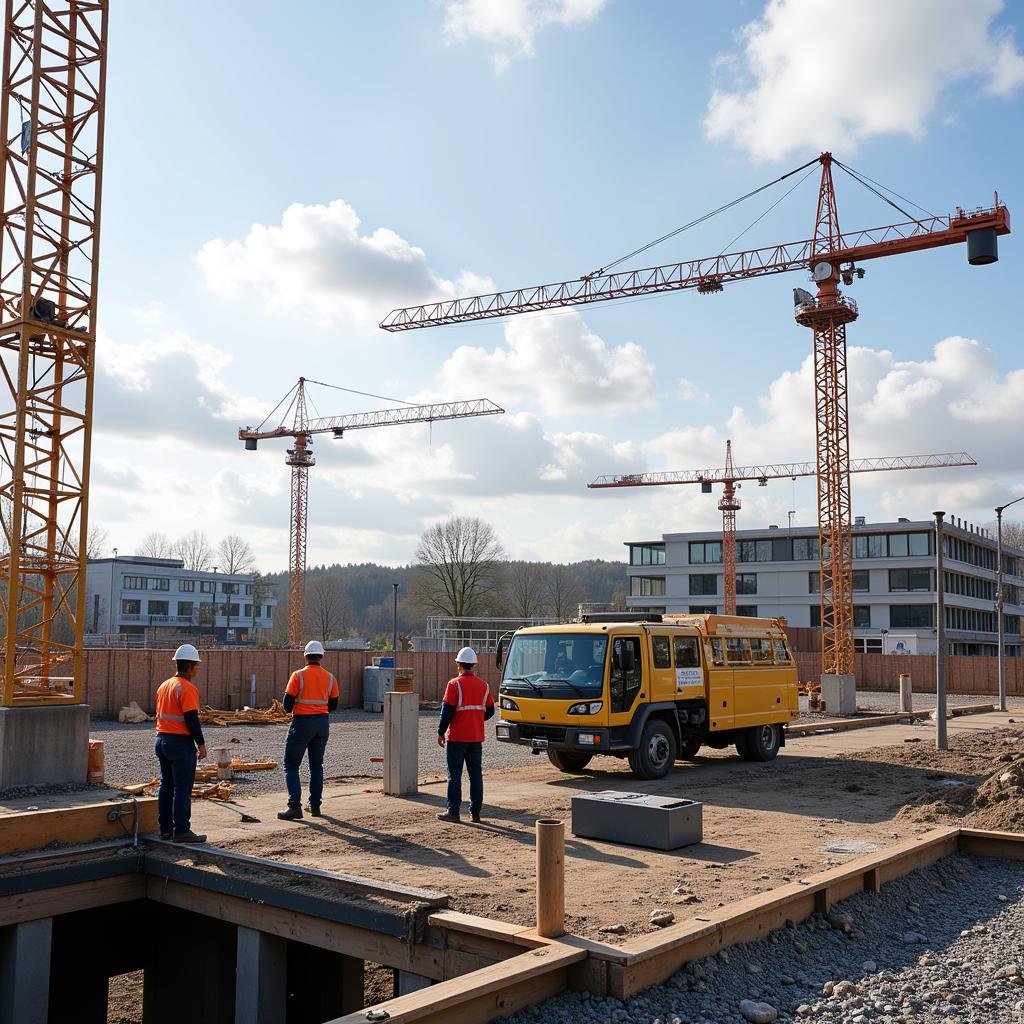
x=311, y=694
x=179, y=742
x=466, y=706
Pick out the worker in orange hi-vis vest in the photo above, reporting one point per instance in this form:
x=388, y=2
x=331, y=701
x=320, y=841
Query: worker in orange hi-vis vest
x=467, y=704
x=311, y=695
x=179, y=742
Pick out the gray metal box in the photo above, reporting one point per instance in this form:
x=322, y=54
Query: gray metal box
x=658, y=822
x=376, y=682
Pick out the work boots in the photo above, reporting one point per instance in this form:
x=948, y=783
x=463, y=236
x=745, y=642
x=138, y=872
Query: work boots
x=293, y=813
x=447, y=816
x=189, y=837
x=314, y=810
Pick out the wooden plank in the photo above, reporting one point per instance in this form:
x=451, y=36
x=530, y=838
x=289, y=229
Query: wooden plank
x=982, y=843
x=477, y=998
x=86, y=823
x=426, y=960
x=65, y=899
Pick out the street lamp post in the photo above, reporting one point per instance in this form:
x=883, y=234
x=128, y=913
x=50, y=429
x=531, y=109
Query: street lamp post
x=1000, y=628
x=941, y=740
x=394, y=623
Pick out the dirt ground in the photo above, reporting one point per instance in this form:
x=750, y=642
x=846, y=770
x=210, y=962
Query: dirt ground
x=826, y=799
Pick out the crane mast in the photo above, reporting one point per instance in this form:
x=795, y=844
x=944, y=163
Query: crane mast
x=300, y=458
x=730, y=476
x=830, y=256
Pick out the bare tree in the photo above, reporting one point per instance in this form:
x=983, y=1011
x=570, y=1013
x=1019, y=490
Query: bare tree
x=328, y=608
x=563, y=592
x=156, y=545
x=458, y=567
x=526, y=589
x=1013, y=532
x=96, y=543
x=195, y=551
x=235, y=555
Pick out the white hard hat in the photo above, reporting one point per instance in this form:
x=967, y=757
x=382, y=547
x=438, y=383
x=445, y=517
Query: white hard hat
x=314, y=647
x=186, y=652
x=467, y=656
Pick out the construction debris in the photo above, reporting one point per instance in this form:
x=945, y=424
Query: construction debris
x=275, y=714
x=205, y=789
x=133, y=713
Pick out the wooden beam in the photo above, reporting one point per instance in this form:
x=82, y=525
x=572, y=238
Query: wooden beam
x=65, y=899
x=982, y=843
x=496, y=991
x=869, y=722
x=87, y=823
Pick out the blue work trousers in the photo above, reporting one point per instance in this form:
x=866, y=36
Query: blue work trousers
x=470, y=755
x=177, y=756
x=306, y=734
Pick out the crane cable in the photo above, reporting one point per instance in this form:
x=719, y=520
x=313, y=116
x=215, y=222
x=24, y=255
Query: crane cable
x=700, y=220
x=863, y=180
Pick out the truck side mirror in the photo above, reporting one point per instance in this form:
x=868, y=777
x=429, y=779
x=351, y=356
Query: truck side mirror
x=624, y=658
x=501, y=649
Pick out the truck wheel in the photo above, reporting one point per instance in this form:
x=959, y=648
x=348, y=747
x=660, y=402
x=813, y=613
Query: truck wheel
x=763, y=742
x=656, y=754
x=688, y=749
x=567, y=761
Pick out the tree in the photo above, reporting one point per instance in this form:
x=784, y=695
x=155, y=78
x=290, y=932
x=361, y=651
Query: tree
x=563, y=592
x=195, y=551
x=1013, y=533
x=96, y=543
x=328, y=608
x=525, y=589
x=235, y=555
x=457, y=567
x=156, y=545
x=262, y=588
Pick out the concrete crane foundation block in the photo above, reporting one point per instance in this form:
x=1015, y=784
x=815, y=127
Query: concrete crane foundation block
x=839, y=692
x=42, y=746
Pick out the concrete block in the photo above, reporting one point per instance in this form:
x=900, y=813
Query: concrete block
x=261, y=976
x=401, y=743
x=639, y=819
x=839, y=692
x=406, y=983
x=44, y=745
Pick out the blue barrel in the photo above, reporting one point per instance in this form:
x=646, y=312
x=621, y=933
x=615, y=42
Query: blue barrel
x=982, y=247
x=386, y=662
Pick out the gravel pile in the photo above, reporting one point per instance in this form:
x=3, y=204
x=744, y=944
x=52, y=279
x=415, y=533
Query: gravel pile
x=942, y=944
x=356, y=736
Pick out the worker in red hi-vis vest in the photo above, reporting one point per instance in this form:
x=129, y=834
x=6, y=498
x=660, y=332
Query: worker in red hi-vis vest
x=467, y=704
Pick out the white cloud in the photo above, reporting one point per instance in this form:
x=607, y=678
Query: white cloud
x=511, y=25
x=809, y=75
x=690, y=392
x=317, y=262
x=555, y=363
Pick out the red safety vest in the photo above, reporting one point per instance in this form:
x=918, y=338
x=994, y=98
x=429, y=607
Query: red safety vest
x=311, y=687
x=471, y=697
x=174, y=697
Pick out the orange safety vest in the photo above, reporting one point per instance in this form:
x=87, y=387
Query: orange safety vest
x=311, y=687
x=174, y=697
x=471, y=697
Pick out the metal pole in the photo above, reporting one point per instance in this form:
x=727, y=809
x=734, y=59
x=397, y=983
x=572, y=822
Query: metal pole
x=941, y=740
x=394, y=623
x=1000, y=654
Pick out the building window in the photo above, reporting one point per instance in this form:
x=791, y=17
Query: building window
x=921, y=544
x=746, y=583
x=861, y=581
x=135, y=583
x=911, y=580
x=131, y=606
x=754, y=551
x=160, y=583
x=647, y=554
x=157, y=608
x=233, y=610
x=703, y=609
x=805, y=549
x=185, y=607
x=647, y=586
x=248, y=589
x=862, y=616
x=911, y=616
x=705, y=552
x=248, y=611
x=747, y=609
x=815, y=616
x=703, y=584
x=229, y=588
x=867, y=644
x=186, y=586
x=206, y=586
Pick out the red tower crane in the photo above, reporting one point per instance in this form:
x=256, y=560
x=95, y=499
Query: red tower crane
x=300, y=457
x=730, y=476
x=831, y=256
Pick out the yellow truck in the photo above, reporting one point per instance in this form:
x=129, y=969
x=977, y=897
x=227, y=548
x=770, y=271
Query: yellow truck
x=654, y=690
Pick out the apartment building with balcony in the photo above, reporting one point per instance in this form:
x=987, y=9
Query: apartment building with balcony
x=156, y=599
x=893, y=581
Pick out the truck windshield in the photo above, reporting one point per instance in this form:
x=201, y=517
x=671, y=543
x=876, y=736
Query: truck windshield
x=555, y=665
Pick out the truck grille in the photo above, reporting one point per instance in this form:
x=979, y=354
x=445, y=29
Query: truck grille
x=552, y=733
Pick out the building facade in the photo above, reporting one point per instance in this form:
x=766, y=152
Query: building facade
x=158, y=599
x=893, y=582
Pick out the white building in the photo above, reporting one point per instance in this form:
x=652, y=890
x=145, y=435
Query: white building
x=159, y=599
x=893, y=581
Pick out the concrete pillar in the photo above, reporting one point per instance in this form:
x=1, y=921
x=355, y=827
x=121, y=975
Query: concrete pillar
x=25, y=971
x=406, y=982
x=46, y=745
x=261, y=978
x=401, y=743
x=906, y=693
x=839, y=692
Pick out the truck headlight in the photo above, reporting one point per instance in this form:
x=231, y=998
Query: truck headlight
x=508, y=704
x=503, y=732
x=587, y=707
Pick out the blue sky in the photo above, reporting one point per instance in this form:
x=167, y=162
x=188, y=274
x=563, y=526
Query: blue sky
x=426, y=148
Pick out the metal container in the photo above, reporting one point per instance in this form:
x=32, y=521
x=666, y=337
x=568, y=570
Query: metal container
x=656, y=822
x=982, y=247
x=376, y=682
